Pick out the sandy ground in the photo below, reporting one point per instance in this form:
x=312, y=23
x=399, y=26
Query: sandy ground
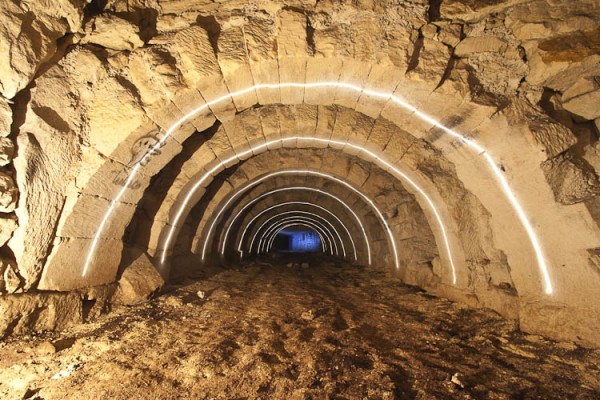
x=265, y=331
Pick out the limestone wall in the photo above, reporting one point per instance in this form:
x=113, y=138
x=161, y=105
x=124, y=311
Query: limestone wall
x=91, y=93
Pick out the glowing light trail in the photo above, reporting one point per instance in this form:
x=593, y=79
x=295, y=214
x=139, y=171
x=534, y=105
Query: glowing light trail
x=304, y=224
x=328, y=235
x=313, y=217
x=281, y=205
x=387, y=96
x=239, y=247
x=268, y=246
x=295, y=172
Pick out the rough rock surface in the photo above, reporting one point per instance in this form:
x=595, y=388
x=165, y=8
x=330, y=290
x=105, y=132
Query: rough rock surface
x=7, y=227
x=8, y=193
x=29, y=31
x=87, y=88
x=294, y=333
x=35, y=312
x=139, y=282
x=112, y=33
x=7, y=151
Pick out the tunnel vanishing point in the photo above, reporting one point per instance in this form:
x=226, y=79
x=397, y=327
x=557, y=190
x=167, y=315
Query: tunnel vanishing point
x=451, y=143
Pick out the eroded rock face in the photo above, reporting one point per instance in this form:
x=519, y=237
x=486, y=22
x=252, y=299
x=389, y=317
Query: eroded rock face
x=112, y=32
x=29, y=33
x=34, y=312
x=8, y=193
x=139, y=282
x=85, y=114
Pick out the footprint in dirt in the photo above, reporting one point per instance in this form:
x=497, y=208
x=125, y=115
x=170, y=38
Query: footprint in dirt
x=339, y=322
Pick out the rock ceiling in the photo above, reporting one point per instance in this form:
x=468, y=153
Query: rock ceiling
x=453, y=141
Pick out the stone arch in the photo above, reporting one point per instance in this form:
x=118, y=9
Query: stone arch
x=467, y=167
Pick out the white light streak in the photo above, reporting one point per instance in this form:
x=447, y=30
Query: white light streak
x=268, y=246
x=423, y=116
x=287, y=172
x=305, y=224
x=317, y=226
x=313, y=217
x=239, y=247
x=281, y=205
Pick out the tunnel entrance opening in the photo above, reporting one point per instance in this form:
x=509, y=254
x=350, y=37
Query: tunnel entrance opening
x=296, y=240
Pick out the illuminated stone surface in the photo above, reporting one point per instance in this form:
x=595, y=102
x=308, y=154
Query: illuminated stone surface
x=465, y=134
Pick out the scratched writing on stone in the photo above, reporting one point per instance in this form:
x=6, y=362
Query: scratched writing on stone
x=142, y=152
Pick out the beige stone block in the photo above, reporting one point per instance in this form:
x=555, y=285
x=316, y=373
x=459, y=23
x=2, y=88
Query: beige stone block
x=306, y=120
x=287, y=124
x=269, y=120
x=64, y=269
x=193, y=106
x=292, y=36
x=29, y=312
x=383, y=78
x=169, y=117
x=216, y=94
x=355, y=73
x=139, y=283
x=160, y=157
x=238, y=137
x=229, y=158
x=252, y=125
x=198, y=160
x=322, y=70
x=196, y=53
x=292, y=49
x=83, y=215
x=380, y=135
x=112, y=32
x=362, y=132
x=482, y=44
x=292, y=70
x=326, y=116
x=266, y=72
x=585, y=105
x=260, y=32
x=112, y=105
x=234, y=65
x=397, y=145
x=105, y=178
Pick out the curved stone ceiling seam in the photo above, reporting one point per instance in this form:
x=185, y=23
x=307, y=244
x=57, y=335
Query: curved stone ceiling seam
x=263, y=178
x=282, y=204
x=308, y=225
x=278, y=228
x=471, y=143
x=326, y=232
x=297, y=203
x=290, y=224
x=306, y=213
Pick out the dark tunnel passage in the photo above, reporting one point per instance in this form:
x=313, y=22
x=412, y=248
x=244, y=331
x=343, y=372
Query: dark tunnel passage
x=299, y=199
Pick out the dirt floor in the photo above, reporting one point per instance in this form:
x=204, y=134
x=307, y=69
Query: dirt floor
x=266, y=331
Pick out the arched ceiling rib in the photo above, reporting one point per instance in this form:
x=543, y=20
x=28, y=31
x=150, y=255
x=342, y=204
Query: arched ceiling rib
x=295, y=204
x=498, y=207
x=315, y=224
x=332, y=232
x=288, y=189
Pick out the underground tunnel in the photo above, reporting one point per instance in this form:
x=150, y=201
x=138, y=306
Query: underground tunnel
x=299, y=199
